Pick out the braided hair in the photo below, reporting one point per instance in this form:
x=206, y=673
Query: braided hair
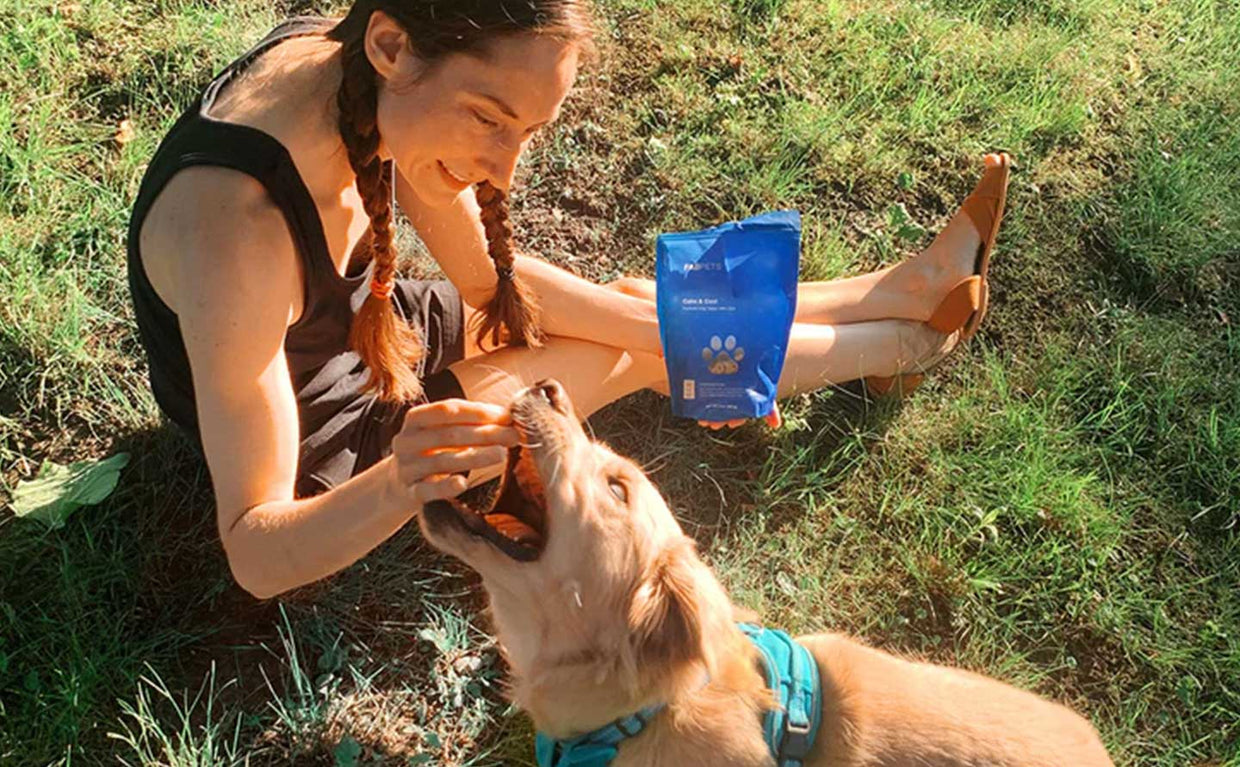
x=512, y=314
x=435, y=28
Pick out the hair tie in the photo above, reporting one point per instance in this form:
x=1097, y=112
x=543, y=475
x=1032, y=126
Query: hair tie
x=382, y=291
x=505, y=272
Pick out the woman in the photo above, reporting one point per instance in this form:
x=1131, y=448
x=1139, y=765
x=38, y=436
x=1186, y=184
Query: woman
x=262, y=273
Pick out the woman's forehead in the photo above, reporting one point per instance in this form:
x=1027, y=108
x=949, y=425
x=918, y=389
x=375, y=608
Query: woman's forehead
x=530, y=74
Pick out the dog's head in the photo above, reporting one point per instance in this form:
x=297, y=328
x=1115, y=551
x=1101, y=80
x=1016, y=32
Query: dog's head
x=599, y=598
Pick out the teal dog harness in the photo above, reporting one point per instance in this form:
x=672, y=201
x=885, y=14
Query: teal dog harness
x=790, y=729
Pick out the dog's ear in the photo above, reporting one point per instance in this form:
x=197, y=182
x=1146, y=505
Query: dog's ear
x=666, y=614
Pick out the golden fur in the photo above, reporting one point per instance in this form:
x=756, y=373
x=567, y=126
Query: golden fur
x=618, y=612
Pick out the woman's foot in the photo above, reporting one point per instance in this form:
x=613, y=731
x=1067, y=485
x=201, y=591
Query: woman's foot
x=960, y=251
x=918, y=349
x=954, y=269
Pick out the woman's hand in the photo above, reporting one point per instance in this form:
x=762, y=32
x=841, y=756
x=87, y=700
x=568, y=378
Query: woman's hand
x=772, y=419
x=440, y=439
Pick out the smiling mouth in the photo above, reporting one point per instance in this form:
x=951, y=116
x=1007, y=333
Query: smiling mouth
x=455, y=180
x=516, y=523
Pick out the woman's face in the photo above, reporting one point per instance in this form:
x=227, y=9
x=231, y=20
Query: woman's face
x=469, y=117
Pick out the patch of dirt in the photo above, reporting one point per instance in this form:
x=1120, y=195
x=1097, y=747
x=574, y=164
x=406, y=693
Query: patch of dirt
x=929, y=607
x=1100, y=662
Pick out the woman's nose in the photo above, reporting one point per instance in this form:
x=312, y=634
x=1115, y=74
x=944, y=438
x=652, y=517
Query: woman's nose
x=501, y=164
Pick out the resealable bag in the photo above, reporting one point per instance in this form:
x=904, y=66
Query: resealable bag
x=726, y=299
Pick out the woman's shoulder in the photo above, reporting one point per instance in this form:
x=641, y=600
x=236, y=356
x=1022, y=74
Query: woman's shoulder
x=211, y=230
x=214, y=208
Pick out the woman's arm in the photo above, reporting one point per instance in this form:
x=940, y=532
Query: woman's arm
x=236, y=290
x=572, y=307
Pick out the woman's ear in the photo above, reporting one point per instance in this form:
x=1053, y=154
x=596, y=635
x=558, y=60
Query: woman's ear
x=387, y=46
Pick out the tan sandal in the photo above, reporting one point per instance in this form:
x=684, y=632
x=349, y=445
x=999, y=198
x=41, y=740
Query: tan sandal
x=964, y=306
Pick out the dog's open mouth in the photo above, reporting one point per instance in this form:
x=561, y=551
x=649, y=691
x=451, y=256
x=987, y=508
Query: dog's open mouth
x=516, y=523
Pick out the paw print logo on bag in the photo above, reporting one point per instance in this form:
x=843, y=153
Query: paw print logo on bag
x=722, y=356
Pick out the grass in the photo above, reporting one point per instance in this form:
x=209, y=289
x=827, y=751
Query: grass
x=1058, y=508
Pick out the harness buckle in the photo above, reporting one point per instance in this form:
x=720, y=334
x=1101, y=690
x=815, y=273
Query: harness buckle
x=796, y=742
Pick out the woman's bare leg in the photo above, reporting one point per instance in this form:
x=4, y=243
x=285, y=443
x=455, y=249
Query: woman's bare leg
x=623, y=313
x=910, y=290
x=595, y=375
x=573, y=307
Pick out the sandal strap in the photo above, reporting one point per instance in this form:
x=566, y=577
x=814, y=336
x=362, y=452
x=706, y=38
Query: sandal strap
x=958, y=306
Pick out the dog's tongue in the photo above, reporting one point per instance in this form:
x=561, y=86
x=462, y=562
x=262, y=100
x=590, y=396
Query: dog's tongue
x=513, y=528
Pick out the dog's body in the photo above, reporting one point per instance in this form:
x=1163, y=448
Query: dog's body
x=877, y=710
x=603, y=608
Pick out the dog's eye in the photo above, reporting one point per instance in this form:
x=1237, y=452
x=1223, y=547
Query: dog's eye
x=618, y=489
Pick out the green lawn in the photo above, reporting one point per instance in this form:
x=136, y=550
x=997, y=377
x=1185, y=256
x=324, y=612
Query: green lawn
x=1057, y=508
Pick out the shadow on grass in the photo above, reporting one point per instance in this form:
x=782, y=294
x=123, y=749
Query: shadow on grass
x=125, y=583
x=711, y=479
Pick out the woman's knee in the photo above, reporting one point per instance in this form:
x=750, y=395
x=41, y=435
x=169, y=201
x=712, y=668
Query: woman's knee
x=633, y=286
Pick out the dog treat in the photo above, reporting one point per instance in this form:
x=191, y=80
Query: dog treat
x=726, y=298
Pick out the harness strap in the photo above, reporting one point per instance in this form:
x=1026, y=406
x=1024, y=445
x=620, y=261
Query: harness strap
x=594, y=749
x=793, y=675
x=789, y=729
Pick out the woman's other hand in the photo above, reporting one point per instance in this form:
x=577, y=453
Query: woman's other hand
x=442, y=441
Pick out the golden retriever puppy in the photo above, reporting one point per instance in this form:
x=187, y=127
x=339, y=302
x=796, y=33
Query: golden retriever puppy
x=603, y=608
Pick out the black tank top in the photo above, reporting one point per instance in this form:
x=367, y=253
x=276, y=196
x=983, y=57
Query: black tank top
x=328, y=377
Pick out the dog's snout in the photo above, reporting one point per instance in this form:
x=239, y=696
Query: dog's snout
x=553, y=393
x=544, y=413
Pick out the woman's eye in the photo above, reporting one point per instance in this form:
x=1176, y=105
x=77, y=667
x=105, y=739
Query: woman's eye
x=482, y=120
x=618, y=489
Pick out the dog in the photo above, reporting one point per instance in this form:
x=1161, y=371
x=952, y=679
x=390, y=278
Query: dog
x=603, y=608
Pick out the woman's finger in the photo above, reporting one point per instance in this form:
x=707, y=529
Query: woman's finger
x=438, y=489
x=418, y=469
x=418, y=441
x=455, y=411
x=773, y=418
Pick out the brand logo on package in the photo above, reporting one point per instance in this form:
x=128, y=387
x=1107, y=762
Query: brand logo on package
x=723, y=358
x=711, y=266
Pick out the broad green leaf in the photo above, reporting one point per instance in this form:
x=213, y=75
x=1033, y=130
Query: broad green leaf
x=911, y=231
x=58, y=491
x=897, y=215
x=347, y=752
x=902, y=224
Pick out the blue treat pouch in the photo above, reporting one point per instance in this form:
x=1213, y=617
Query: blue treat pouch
x=726, y=298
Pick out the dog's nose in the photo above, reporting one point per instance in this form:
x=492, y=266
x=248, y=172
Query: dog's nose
x=550, y=390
